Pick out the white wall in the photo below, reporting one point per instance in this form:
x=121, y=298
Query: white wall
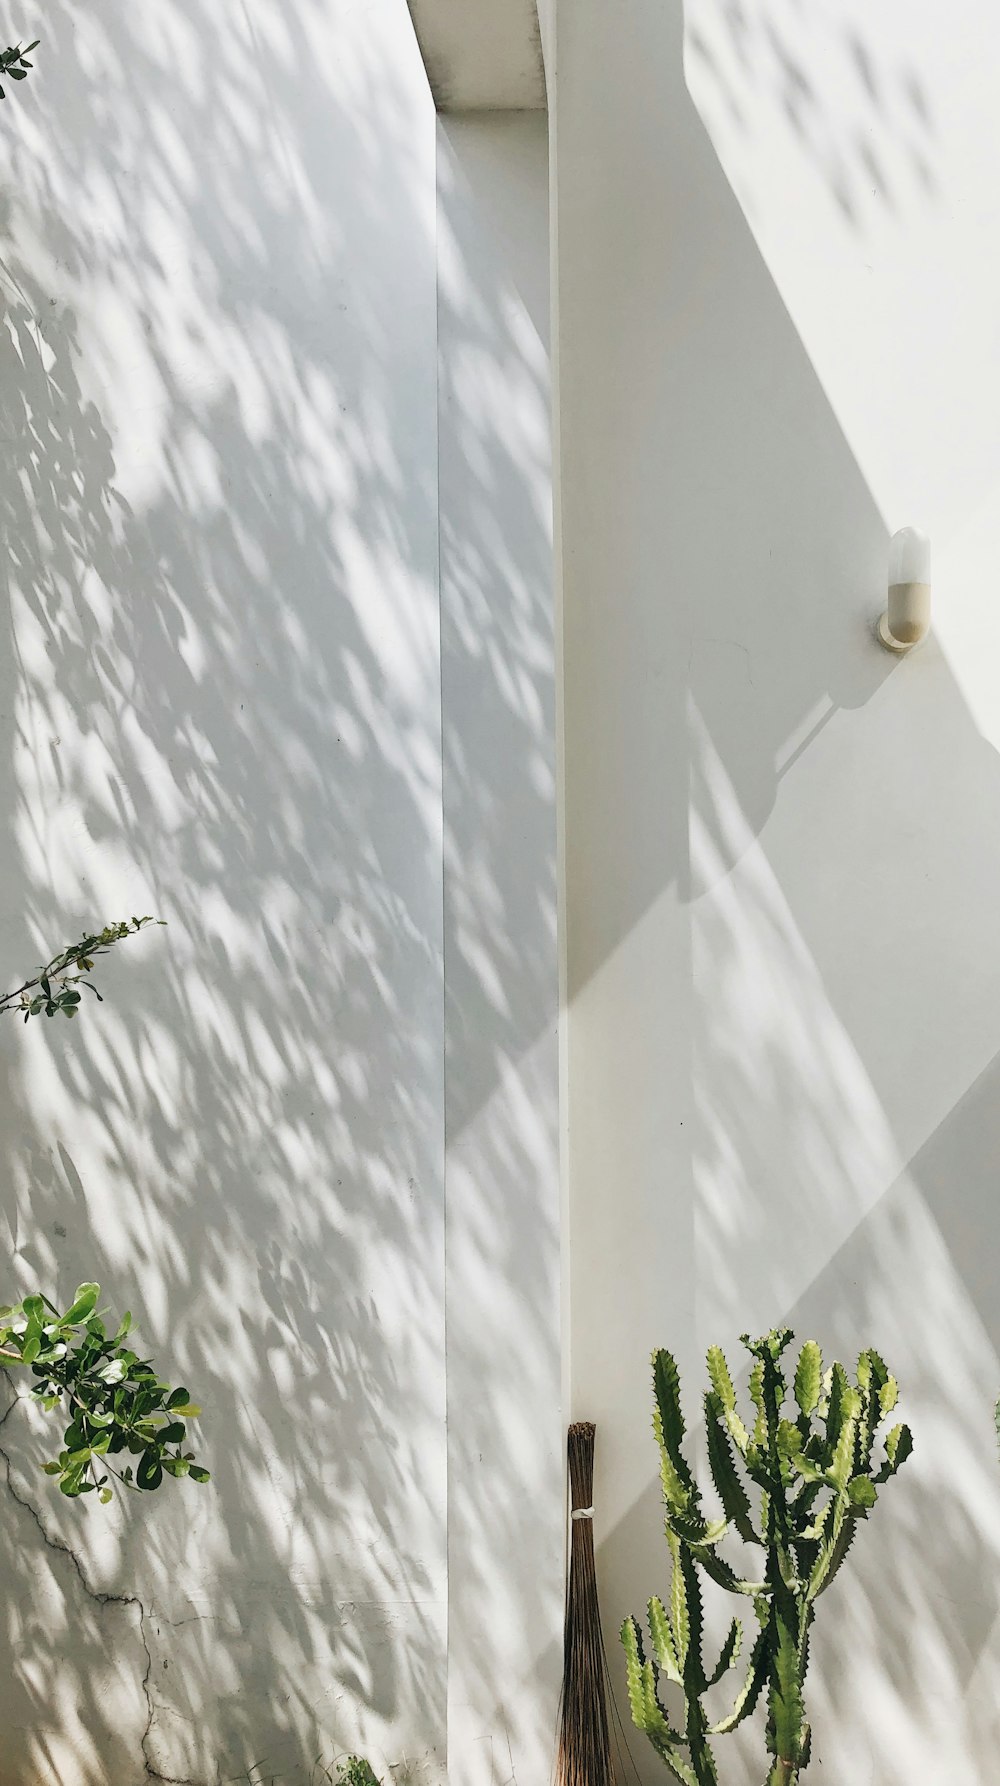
x=505, y=1447
x=779, y=274
x=222, y=703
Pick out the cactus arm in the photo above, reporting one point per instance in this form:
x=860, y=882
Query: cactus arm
x=668, y=1420
x=664, y=1648
x=809, y=1378
x=898, y=1447
x=733, y=1495
x=674, y=1762
x=842, y=1464
x=720, y=1378
x=786, y=1719
x=832, y=1526
x=676, y=1496
x=719, y=1571
x=746, y=1703
x=686, y=1619
x=729, y=1654
x=680, y=1615
x=690, y=1528
x=756, y=1388
x=722, y=1386
x=702, y=1759
x=840, y=1548
x=840, y=1389
x=647, y=1713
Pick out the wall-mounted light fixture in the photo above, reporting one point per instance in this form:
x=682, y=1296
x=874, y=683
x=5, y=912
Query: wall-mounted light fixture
x=907, y=619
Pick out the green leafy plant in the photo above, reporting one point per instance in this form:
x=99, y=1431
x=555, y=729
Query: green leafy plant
x=117, y=1405
x=57, y=986
x=115, y=1401
x=355, y=1771
x=818, y=1476
x=14, y=65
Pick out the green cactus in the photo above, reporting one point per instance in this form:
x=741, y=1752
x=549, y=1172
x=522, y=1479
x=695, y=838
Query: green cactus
x=816, y=1475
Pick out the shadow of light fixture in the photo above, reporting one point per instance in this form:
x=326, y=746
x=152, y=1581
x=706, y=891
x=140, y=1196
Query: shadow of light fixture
x=907, y=619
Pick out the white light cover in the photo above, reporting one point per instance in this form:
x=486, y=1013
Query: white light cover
x=909, y=557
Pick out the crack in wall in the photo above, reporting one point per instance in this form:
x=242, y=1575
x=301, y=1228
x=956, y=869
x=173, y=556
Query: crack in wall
x=100, y=1598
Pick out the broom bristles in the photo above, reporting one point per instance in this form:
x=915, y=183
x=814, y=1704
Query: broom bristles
x=584, y=1757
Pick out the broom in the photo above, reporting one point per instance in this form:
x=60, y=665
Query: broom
x=584, y=1740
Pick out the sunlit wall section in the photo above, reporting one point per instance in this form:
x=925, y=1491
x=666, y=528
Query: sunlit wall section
x=221, y=704
x=778, y=283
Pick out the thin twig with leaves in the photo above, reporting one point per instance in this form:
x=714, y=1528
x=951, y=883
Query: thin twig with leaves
x=57, y=984
x=14, y=64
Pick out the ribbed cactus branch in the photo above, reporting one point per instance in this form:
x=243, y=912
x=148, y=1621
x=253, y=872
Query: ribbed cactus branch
x=814, y=1470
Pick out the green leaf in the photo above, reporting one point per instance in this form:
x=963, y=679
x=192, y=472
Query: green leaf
x=190, y=1410
x=149, y=1472
x=83, y=1304
x=200, y=1475
x=106, y=1495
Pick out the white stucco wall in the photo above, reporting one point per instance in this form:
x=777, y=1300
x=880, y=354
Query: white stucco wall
x=222, y=702
x=779, y=274
x=505, y=1447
